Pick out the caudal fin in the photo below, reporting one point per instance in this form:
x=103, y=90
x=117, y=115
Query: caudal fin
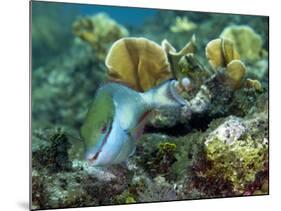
x=165, y=95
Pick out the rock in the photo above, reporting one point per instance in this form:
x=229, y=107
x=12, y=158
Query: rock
x=51, y=151
x=58, y=182
x=238, y=151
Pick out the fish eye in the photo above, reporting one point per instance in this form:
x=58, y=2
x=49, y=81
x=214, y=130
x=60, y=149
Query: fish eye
x=103, y=128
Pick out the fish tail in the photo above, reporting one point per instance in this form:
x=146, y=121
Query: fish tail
x=164, y=95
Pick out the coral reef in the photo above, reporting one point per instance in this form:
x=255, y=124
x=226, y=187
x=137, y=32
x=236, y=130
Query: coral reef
x=234, y=154
x=254, y=84
x=215, y=146
x=259, y=70
x=50, y=150
x=247, y=42
x=175, y=57
x=161, y=159
x=137, y=62
x=57, y=82
x=186, y=64
x=58, y=182
x=182, y=24
x=235, y=71
x=99, y=31
x=235, y=147
x=157, y=190
x=220, y=52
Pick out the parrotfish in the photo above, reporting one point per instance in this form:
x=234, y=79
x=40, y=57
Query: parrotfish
x=116, y=120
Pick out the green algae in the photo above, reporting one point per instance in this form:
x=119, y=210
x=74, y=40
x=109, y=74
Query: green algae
x=125, y=198
x=238, y=162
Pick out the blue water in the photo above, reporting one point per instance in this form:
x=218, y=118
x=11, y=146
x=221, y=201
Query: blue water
x=123, y=15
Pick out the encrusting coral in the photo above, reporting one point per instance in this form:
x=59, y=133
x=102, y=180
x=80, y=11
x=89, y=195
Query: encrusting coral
x=236, y=155
x=159, y=158
x=230, y=158
x=100, y=31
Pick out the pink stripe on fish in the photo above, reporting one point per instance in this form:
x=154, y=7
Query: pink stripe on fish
x=95, y=157
x=141, y=124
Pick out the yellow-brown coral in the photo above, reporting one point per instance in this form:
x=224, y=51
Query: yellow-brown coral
x=247, y=42
x=235, y=71
x=253, y=84
x=175, y=57
x=220, y=52
x=137, y=62
x=100, y=31
x=183, y=24
x=190, y=47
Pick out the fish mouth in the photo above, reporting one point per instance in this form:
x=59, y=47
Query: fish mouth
x=92, y=159
x=175, y=95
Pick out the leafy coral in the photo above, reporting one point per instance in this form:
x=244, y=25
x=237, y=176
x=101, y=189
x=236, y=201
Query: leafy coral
x=147, y=68
x=99, y=31
x=247, y=41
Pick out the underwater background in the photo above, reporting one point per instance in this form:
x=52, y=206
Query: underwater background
x=217, y=148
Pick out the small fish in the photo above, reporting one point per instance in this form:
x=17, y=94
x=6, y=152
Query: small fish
x=116, y=119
